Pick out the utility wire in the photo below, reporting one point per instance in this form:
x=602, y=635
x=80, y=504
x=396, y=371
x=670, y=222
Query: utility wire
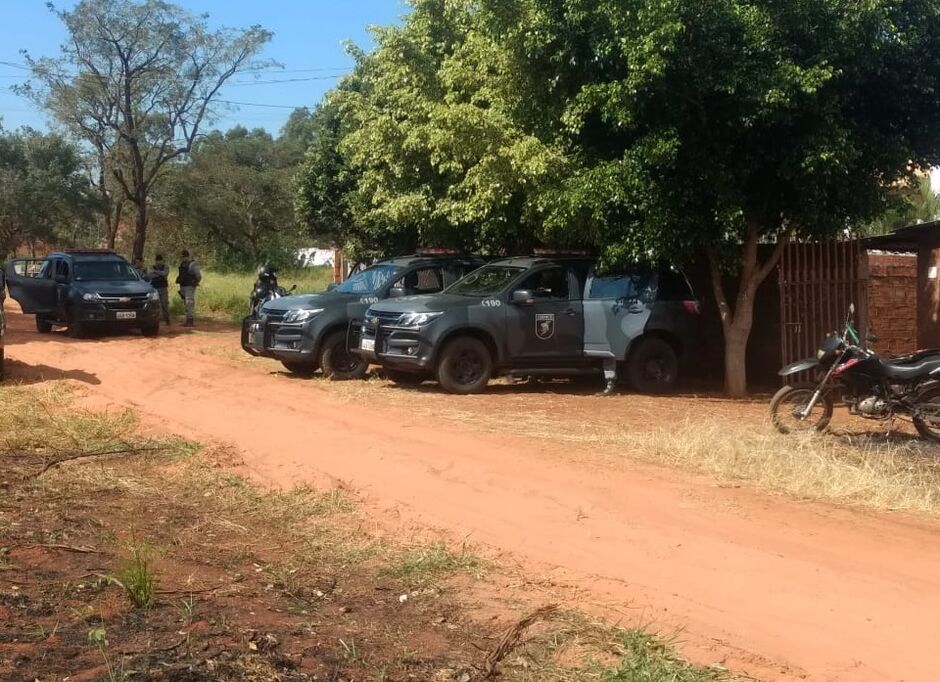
x=287, y=80
x=267, y=106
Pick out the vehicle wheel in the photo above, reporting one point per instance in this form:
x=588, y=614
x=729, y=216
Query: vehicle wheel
x=652, y=366
x=464, y=366
x=43, y=326
x=337, y=362
x=151, y=329
x=301, y=369
x=927, y=414
x=788, y=403
x=404, y=378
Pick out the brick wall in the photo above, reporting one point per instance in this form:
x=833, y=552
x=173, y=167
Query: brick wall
x=892, y=301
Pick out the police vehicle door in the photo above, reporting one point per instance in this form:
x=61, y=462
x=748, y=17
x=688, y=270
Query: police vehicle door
x=616, y=309
x=550, y=326
x=32, y=285
x=62, y=277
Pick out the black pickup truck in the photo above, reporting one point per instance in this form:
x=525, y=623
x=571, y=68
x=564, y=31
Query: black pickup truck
x=537, y=316
x=83, y=289
x=307, y=332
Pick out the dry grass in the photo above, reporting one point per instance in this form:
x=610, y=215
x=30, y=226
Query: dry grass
x=866, y=469
x=302, y=544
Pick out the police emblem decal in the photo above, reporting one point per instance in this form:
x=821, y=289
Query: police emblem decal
x=545, y=326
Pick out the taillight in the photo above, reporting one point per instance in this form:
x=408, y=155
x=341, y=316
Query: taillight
x=692, y=307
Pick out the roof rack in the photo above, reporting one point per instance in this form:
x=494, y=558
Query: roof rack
x=560, y=252
x=438, y=251
x=109, y=252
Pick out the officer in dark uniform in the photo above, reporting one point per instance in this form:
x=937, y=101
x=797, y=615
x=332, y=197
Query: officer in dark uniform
x=188, y=279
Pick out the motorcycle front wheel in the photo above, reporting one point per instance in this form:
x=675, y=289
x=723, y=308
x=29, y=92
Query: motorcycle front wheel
x=788, y=405
x=927, y=414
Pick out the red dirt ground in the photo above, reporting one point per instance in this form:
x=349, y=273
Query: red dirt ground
x=775, y=588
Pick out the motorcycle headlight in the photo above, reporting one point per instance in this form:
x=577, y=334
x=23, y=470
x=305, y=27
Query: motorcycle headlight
x=302, y=314
x=90, y=297
x=417, y=319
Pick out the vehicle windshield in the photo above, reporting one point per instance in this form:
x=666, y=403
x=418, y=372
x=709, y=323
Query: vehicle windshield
x=105, y=271
x=368, y=281
x=487, y=281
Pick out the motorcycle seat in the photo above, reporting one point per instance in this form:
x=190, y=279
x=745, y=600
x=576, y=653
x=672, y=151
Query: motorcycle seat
x=915, y=357
x=908, y=371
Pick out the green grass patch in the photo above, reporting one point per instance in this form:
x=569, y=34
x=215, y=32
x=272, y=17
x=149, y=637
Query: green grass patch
x=224, y=295
x=430, y=561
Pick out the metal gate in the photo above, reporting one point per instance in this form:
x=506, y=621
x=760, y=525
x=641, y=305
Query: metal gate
x=817, y=283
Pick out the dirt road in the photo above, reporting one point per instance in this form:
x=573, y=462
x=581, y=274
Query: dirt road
x=776, y=588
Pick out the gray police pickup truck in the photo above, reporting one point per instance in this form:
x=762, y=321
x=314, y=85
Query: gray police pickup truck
x=537, y=316
x=307, y=332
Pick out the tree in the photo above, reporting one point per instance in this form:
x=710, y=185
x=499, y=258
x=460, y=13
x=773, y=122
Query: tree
x=910, y=205
x=234, y=193
x=646, y=128
x=44, y=194
x=137, y=80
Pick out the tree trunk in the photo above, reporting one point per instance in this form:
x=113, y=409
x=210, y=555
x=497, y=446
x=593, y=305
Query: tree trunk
x=113, y=222
x=736, y=324
x=140, y=232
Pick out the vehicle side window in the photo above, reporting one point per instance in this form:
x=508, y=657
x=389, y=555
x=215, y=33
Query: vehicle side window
x=62, y=270
x=673, y=286
x=423, y=281
x=551, y=283
x=638, y=285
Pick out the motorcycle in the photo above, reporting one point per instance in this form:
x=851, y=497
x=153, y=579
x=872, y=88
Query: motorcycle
x=266, y=288
x=870, y=386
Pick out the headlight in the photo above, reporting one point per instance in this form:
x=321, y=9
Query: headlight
x=820, y=354
x=302, y=315
x=153, y=296
x=90, y=297
x=417, y=319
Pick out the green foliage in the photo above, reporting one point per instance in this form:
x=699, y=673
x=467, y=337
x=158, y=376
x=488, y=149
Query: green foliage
x=44, y=194
x=137, y=81
x=647, y=659
x=137, y=575
x=636, y=128
x=233, y=198
x=919, y=206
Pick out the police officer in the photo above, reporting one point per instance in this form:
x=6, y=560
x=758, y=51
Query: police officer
x=140, y=268
x=188, y=279
x=160, y=280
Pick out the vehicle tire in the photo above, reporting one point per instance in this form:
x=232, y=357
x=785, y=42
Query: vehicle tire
x=151, y=330
x=789, y=401
x=43, y=326
x=652, y=366
x=301, y=369
x=337, y=362
x=404, y=378
x=927, y=414
x=76, y=329
x=464, y=366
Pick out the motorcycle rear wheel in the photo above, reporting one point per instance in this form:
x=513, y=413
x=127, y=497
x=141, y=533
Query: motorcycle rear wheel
x=927, y=414
x=789, y=402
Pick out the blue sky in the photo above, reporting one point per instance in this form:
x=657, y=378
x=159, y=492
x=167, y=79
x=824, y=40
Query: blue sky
x=308, y=42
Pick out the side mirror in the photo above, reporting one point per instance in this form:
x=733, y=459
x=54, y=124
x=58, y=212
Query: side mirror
x=523, y=297
x=871, y=337
x=292, y=288
x=397, y=292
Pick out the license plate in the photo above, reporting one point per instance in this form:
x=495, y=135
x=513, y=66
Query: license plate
x=368, y=344
x=126, y=315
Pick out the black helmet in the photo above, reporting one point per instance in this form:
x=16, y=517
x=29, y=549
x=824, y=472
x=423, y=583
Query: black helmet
x=267, y=272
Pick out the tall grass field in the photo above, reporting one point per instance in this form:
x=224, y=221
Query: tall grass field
x=224, y=296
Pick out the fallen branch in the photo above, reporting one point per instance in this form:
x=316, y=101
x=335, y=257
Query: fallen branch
x=83, y=455
x=64, y=548
x=511, y=638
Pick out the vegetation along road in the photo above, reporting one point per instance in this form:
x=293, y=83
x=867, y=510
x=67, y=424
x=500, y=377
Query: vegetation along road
x=768, y=585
